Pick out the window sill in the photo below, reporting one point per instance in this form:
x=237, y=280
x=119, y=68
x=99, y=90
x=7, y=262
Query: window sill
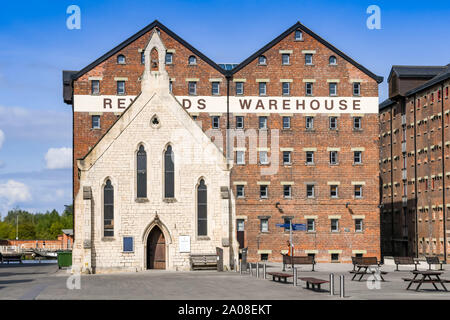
x=108, y=239
x=203, y=238
x=309, y=64
x=141, y=200
x=169, y=200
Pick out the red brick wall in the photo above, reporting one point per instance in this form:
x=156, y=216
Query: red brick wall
x=297, y=138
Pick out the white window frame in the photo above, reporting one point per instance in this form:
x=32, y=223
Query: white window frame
x=97, y=87
x=289, y=153
x=167, y=60
x=361, y=229
x=335, y=123
x=287, y=187
x=118, y=87
x=288, y=122
x=285, y=62
x=309, y=123
x=213, y=122
x=331, y=191
x=288, y=87
x=263, y=157
x=241, y=91
x=242, y=122
x=99, y=123
x=336, y=159
x=337, y=225
x=215, y=85
x=311, y=153
x=264, y=225
x=309, y=87
x=266, y=187
x=360, y=187
x=242, y=187
x=240, y=157
x=265, y=122
x=306, y=59
x=313, y=225
x=261, y=86
x=332, y=85
x=192, y=84
x=354, y=157
x=313, y=191
x=358, y=86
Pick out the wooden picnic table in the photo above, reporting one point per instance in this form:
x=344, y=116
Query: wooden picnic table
x=362, y=270
x=433, y=278
x=280, y=275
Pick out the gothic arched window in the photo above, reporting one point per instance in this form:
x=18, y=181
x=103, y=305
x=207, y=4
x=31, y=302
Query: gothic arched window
x=202, y=216
x=108, y=209
x=169, y=173
x=141, y=173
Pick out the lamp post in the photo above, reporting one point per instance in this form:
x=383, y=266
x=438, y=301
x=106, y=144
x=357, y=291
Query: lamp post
x=17, y=227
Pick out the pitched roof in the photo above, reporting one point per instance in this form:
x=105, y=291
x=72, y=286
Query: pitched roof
x=415, y=71
x=300, y=26
x=386, y=103
x=152, y=25
x=219, y=68
x=443, y=75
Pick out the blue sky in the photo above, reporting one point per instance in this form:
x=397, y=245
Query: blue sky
x=36, y=125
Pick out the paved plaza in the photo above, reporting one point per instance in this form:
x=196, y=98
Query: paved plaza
x=46, y=281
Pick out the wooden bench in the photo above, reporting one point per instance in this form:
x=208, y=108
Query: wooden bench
x=280, y=275
x=314, y=282
x=364, y=260
x=293, y=260
x=203, y=261
x=405, y=261
x=434, y=260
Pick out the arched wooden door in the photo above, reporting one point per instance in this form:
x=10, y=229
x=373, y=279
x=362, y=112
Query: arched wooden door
x=156, y=249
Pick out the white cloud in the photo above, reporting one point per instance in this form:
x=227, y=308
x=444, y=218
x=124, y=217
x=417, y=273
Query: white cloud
x=13, y=191
x=58, y=158
x=2, y=138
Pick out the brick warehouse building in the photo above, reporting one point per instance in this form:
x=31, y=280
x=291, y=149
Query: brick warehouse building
x=414, y=162
x=317, y=107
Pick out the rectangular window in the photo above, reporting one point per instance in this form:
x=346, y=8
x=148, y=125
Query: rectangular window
x=287, y=158
x=239, y=122
x=239, y=88
x=240, y=225
x=310, y=191
x=95, y=87
x=120, y=87
x=298, y=35
x=358, y=191
x=335, y=257
x=95, y=122
x=263, y=122
x=357, y=158
x=286, y=88
x=309, y=122
x=333, y=157
x=309, y=88
x=240, y=191
x=309, y=157
x=215, y=88
x=356, y=89
x=263, y=191
x=333, y=123
x=192, y=87
x=169, y=58
x=357, y=123
x=358, y=225
x=310, y=225
x=263, y=158
x=264, y=225
x=215, y=122
x=170, y=86
x=334, y=225
x=333, y=191
x=128, y=244
x=285, y=58
x=308, y=59
x=287, y=191
x=240, y=157
x=286, y=122
x=264, y=256
x=262, y=88
x=142, y=57
x=333, y=88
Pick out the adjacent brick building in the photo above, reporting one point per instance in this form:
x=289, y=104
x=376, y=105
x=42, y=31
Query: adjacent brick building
x=414, y=162
x=312, y=110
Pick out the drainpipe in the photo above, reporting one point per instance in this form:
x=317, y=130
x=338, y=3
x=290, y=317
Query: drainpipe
x=416, y=226
x=392, y=186
x=444, y=207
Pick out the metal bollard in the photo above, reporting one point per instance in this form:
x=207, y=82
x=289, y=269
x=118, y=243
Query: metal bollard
x=331, y=284
x=240, y=267
x=257, y=269
x=295, y=277
x=342, y=287
x=250, y=267
x=264, y=271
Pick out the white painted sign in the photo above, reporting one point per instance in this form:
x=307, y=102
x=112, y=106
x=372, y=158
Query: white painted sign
x=247, y=104
x=184, y=243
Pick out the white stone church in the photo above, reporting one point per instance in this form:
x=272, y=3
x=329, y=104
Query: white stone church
x=155, y=188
